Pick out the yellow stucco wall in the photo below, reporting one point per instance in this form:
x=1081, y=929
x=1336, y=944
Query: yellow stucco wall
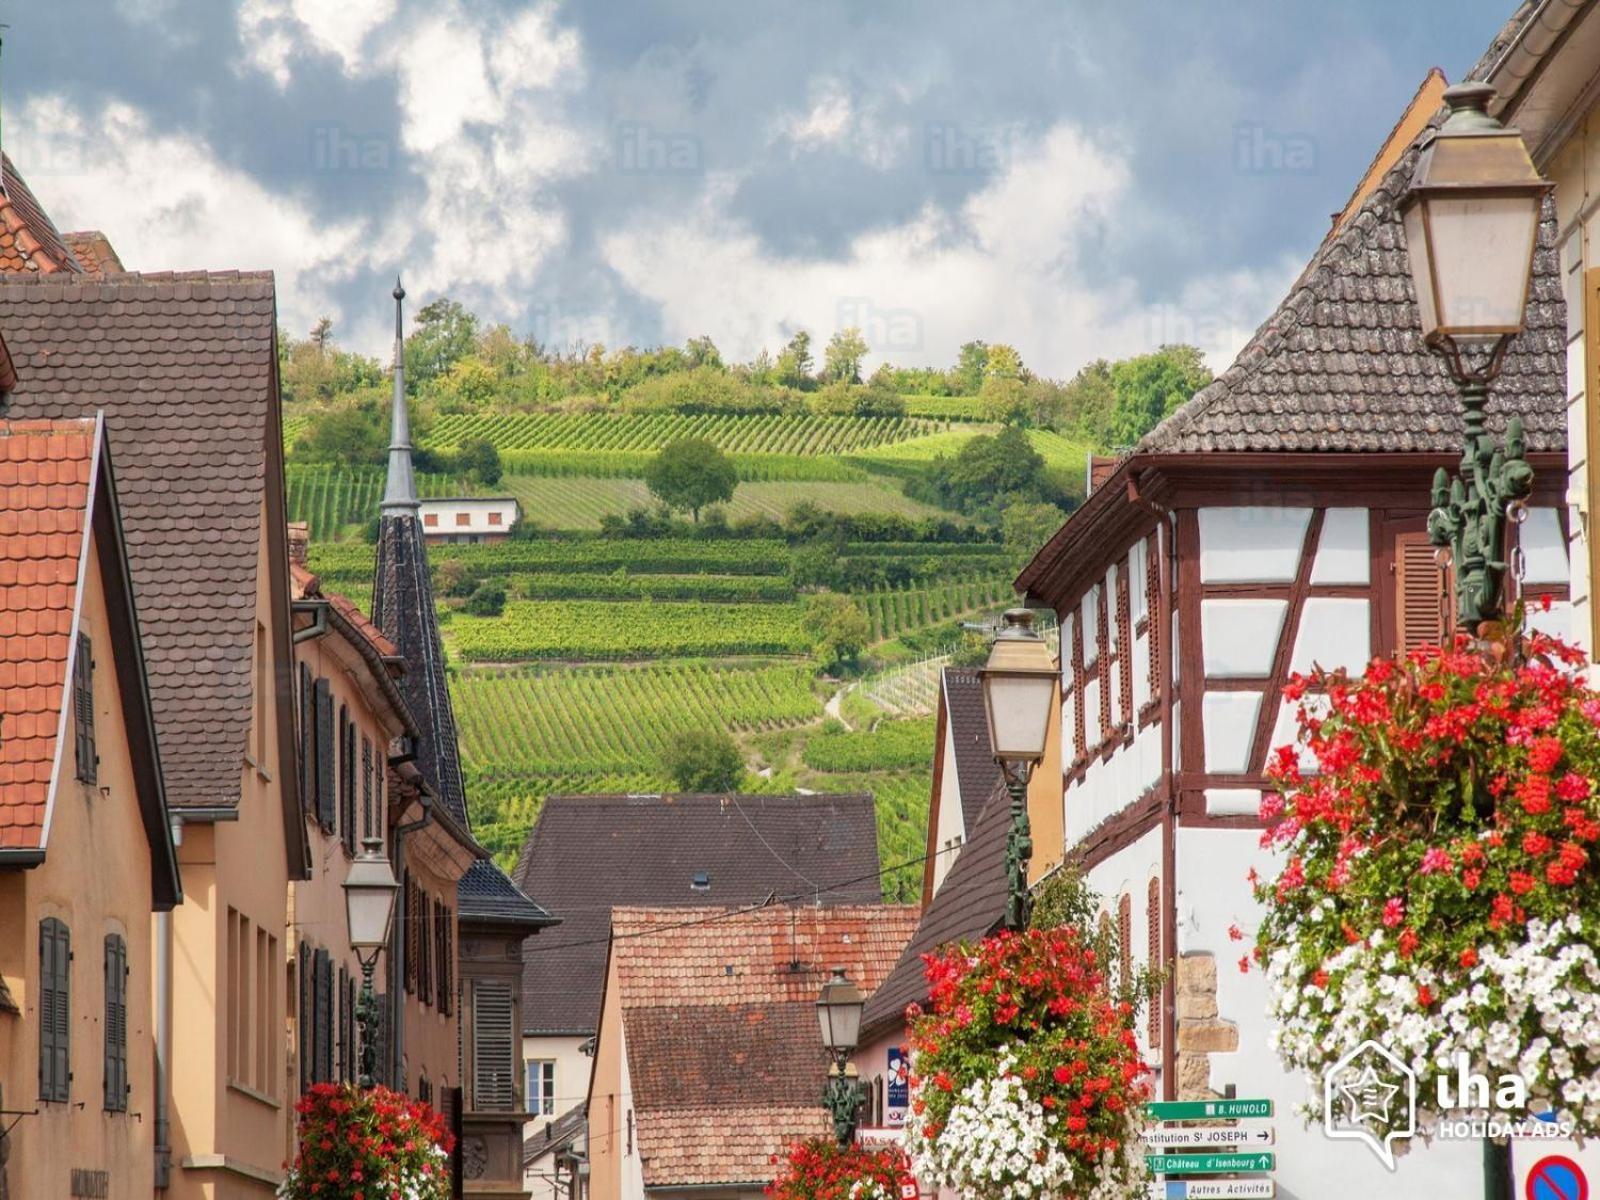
x=608, y=1101
x=229, y=1137
x=96, y=879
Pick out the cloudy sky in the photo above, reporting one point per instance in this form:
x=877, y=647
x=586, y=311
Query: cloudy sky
x=1077, y=177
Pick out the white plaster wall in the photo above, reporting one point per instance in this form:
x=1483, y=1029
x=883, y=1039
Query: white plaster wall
x=1333, y=633
x=1138, y=574
x=1557, y=622
x=632, y=1164
x=477, y=512
x=1130, y=870
x=1544, y=552
x=1230, y=725
x=1239, y=637
x=1141, y=672
x=1344, y=553
x=1251, y=544
x=1110, y=786
x=1091, y=626
x=1212, y=895
x=952, y=826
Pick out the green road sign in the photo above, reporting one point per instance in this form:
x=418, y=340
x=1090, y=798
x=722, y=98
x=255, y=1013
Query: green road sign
x=1207, y=1110
x=1207, y=1164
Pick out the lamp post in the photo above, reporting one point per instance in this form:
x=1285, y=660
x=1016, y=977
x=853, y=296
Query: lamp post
x=369, y=890
x=1471, y=220
x=839, y=1016
x=1019, y=687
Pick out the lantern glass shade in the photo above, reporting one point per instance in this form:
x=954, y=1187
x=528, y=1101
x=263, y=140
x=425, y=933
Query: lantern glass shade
x=839, y=1013
x=1019, y=690
x=369, y=891
x=1471, y=222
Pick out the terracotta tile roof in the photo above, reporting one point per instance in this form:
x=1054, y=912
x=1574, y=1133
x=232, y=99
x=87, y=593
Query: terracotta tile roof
x=969, y=905
x=977, y=773
x=184, y=367
x=29, y=242
x=720, y=1005
x=1341, y=366
x=709, y=1145
x=93, y=251
x=44, y=502
x=587, y=854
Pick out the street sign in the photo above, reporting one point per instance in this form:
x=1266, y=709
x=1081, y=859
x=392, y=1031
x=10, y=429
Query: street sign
x=1209, y=1164
x=1213, y=1189
x=1248, y=1135
x=1556, y=1177
x=1207, y=1110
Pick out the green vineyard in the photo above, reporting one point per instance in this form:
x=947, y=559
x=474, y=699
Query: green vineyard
x=710, y=589
x=895, y=612
x=767, y=433
x=335, y=499
x=887, y=746
x=581, y=630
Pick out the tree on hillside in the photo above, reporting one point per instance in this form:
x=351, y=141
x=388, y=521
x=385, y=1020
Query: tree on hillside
x=1151, y=387
x=841, y=361
x=479, y=461
x=1003, y=362
x=839, y=629
x=1027, y=527
x=794, y=365
x=354, y=435
x=1087, y=401
x=702, y=352
x=704, y=760
x=443, y=333
x=972, y=364
x=689, y=474
x=315, y=369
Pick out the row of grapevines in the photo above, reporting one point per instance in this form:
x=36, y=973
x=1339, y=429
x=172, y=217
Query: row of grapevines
x=888, y=744
x=893, y=612
x=631, y=464
x=714, y=589
x=331, y=498
x=766, y=433
x=671, y=556
x=587, y=629
x=945, y=408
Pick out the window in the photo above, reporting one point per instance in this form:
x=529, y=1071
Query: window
x=463, y=518
x=496, y=518
x=83, y=709
x=1125, y=938
x=541, y=1073
x=430, y=520
x=443, y=951
x=1152, y=918
x=347, y=780
x=55, y=1011
x=254, y=1014
x=303, y=1017
x=494, y=1063
x=424, y=947
x=366, y=787
x=327, y=777
x=263, y=695
x=308, y=739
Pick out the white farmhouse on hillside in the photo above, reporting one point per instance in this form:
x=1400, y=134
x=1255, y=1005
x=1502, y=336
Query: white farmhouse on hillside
x=469, y=519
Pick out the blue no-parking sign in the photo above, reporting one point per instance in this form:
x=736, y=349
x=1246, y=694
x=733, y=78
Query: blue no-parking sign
x=1555, y=1177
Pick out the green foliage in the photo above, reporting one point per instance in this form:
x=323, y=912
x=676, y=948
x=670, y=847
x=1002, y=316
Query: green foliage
x=352, y=435
x=895, y=611
x=479, y=461
x=732, y=433
x=709, y=589
x=443, y=332
x=988, y=474
x=691, y=474
x=487, y=600
x=890, y=744
x=839, y=630
x=587, y=630
x=1025, y=529
x=841, y=361
x=703, y=760
x=793, y=368
x=334, y=500
x=1151, y=387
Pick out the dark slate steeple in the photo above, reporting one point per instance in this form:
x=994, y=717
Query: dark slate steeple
x=402, y=604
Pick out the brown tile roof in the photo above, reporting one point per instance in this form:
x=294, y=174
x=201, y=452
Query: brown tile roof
x=93, y=251
x=720, y=1005
x=1341, y=366
x=184, y=367
x=44, y=502
x=29, y=242
x=969, y=905
x=587, y=854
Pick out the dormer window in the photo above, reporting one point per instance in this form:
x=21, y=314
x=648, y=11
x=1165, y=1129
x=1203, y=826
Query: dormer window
x=701, y=881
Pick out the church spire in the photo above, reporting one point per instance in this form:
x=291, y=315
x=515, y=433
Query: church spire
x=400, y=491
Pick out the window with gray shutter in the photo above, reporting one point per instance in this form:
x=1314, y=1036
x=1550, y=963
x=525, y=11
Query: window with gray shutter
x=344, y=1033
x=347, y=780
x=326, y=779
x=116, y=1031
x=322, y=1005
x=304, y=1017
x=367, y=829
x=83, y=709
x=308, y=739
x=55, y=1011
x=494, y=1048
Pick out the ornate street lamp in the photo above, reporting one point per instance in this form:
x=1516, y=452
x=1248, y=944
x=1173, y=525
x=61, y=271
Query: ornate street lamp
x=1471, y=222
x=1019, y=687
x=369, y=890
x=839, y=1016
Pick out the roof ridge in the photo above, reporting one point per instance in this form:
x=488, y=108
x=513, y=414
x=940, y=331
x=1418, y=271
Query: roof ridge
x=85, y=280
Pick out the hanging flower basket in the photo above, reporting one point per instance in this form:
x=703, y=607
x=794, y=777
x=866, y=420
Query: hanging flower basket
x=821, y=1169
x=1439, y=893
x=1027, y=1081
x=368, y=1145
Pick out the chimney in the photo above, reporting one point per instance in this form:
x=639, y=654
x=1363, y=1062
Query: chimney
x=299, y=541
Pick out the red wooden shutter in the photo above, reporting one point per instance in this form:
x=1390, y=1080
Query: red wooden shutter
x=1417, y=592
x=1125, y=937
x=1153, y=933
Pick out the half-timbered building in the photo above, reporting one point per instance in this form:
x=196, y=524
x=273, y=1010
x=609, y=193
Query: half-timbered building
x=1274, y=523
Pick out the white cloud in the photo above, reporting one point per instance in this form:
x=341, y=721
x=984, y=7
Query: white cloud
x=1007, y=267
x=837, y=119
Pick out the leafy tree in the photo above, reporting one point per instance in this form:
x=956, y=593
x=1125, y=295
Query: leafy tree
x=479, y=461
x=794, y=365
x=842, y=358
x=839, y=629
x=444, y=333
x=880, y=398
x=702, y=352
x=353, y=435
x=488, y=600
x=1005, y=399
x=469, y=384
x=691, y=473
x=1151, y=387
x=1086, y=404
x=704, y=760
x=1003, y=362
x=972, y=364
x=1026, y=527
